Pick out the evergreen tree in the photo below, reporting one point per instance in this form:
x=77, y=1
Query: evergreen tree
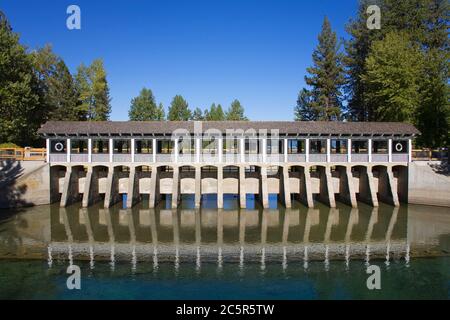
x=197, y=115
x=236, y=112
x=179, y=109
x=57, y=84
x=22, y=105
x=94, y=91
x=143, y=107
x=392, y=78
x=326, y=78
x=160, y=113
x=215, y=113
x=304, y=110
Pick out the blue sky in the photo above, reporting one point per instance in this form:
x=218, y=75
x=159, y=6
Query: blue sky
x=256, y=51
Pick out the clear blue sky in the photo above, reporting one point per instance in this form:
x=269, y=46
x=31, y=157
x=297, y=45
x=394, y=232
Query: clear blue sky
x=208, y=51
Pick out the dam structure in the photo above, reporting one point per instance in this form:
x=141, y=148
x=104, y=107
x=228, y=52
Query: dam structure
x=309, y=161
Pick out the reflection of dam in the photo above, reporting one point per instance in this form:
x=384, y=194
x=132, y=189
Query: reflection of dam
x=233, y=235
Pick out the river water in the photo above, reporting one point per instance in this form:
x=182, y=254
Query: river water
x=256, y=253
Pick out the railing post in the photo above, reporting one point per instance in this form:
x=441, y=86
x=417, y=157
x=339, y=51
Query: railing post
x=175, y=150
x=264, y=149
x=390, y=150
x=220, y=147
x=307, y=150
x=111, y=150
x=68, y=146
x=328, y=150
x=285, y=150
x=47, y=149
x=369, y=151
x=89, y=150
x=242, y=149
x=349, y=150
x=132, y=149
x=409, y=150
x=197, y=150
x=154, y=149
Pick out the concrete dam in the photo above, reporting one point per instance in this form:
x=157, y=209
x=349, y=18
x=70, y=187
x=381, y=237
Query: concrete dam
x=92, y=162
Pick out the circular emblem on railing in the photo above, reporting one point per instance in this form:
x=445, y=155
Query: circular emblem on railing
x=398, y=147
x=59, y=147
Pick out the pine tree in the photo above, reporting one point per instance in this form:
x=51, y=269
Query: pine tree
x=326, y=78
x=143, y=107
x=197, y=115
x=236, y=112
x=22, y=105
x=215, y=113
x=179, y=109
x=160, y=113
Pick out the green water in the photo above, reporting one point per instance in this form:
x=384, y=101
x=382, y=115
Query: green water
x=297, y=253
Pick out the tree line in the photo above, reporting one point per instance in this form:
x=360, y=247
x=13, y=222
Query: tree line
x=36, y=86
x=145, y=108
x=399, y=72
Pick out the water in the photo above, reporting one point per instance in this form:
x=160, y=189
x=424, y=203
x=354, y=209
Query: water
x=297, y=253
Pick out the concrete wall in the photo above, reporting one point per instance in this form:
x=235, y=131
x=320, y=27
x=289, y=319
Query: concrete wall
x=24, y=183
x=426, y=186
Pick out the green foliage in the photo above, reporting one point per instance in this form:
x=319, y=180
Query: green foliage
x=197, y=115
x=425, y=23
x=392, y=77
x=57, y=84
x=144, y=108
x=326, y=78
x=9, y=145
x=215, y=113
x=93, y=91
x=21, y=99
x=236, y=112
x=179, y=109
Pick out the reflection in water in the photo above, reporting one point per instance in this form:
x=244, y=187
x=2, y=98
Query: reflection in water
x=283, y=236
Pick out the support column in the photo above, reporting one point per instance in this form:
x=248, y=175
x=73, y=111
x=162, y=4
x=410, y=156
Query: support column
x=111, y=149
x=328, y=150
x=47, y=150
x=198, y=186
x=263, y=191
x=154, y=149
x=68, y=149
x=219, y=187
x=286, y=187
x=90, y=194
x=307, y=150
x=326, y=187
x=347, y=192
x=70, y=188
x=387, y=189
x=132, y=149
x=112, y=188
x=305, y=189
x=242, y=192
x=369, y=147
x=390, y=150
x=133, y=188
x=367, y=192
x=89, y=150
x=153, y=187
x=349, y=150
x=175, y=186
x=285, y=151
